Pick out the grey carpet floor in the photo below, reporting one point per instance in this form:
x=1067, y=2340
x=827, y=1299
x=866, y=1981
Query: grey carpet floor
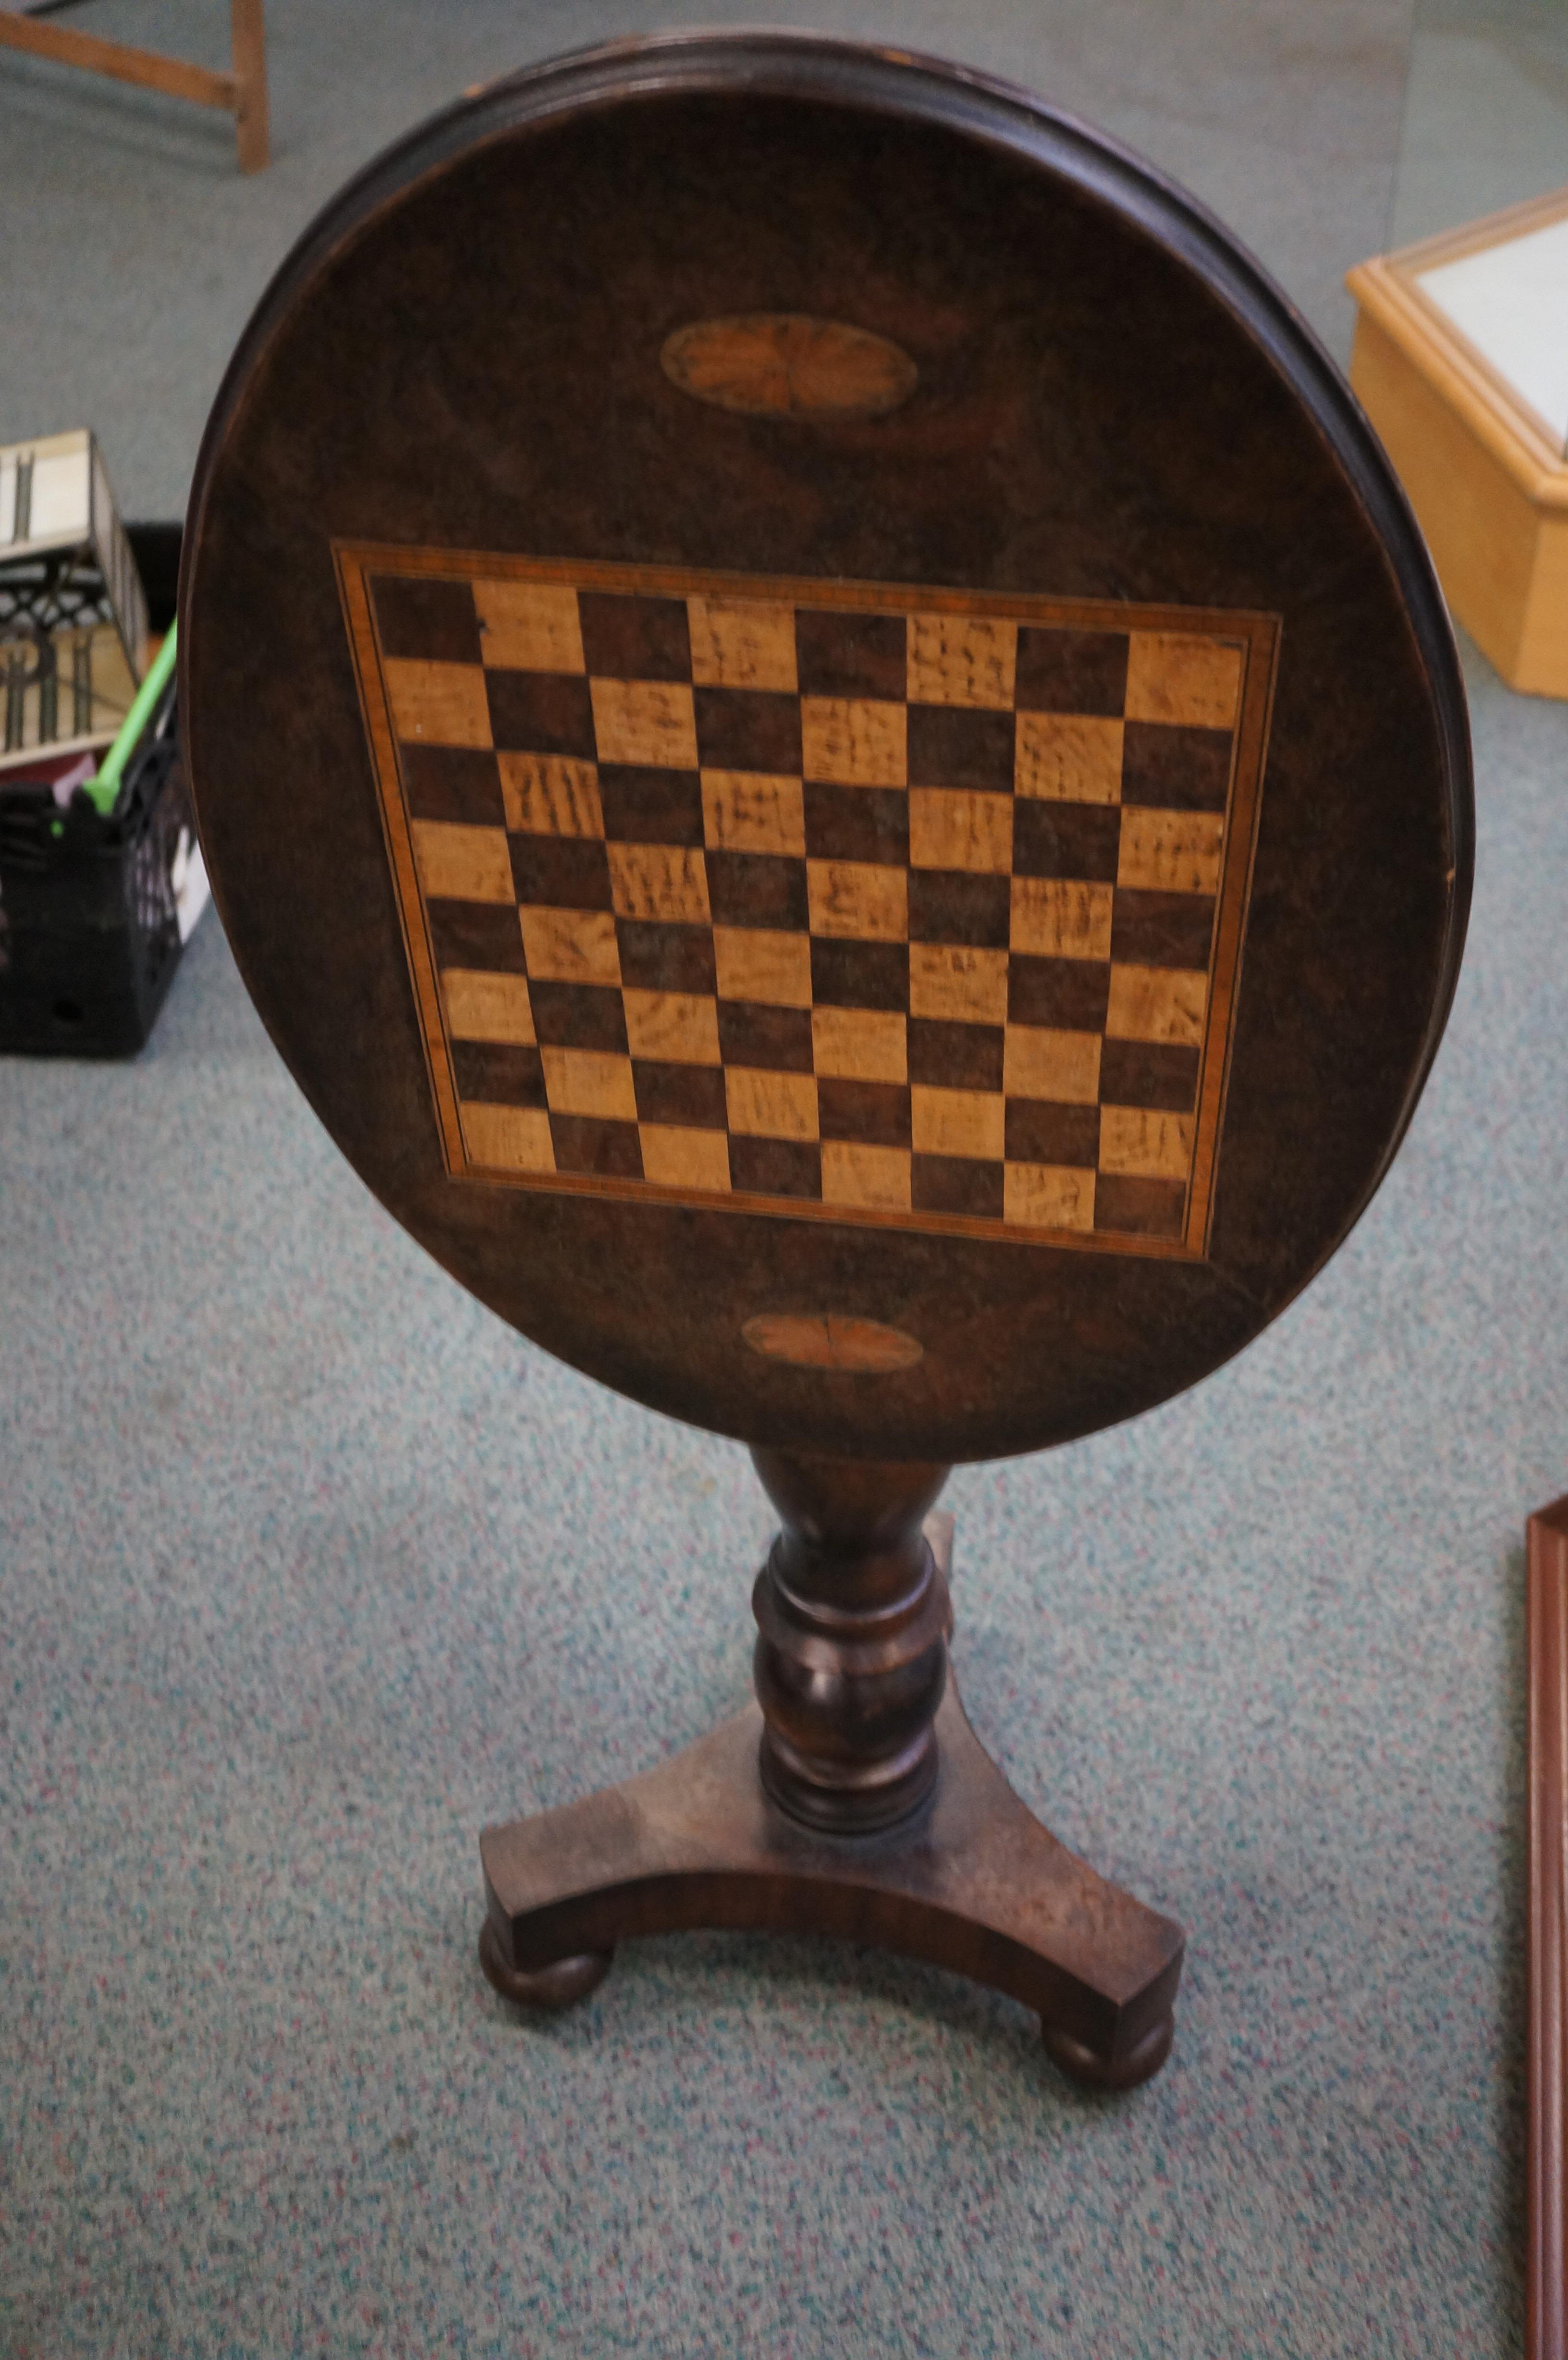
x=308, y=1568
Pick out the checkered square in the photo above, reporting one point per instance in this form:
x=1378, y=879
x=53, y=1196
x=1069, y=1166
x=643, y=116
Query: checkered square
x=877, y=904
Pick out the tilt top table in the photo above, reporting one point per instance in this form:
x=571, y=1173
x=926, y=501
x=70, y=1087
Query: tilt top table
x=831, y=753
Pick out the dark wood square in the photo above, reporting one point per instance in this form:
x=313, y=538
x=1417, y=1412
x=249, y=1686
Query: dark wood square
x=630, y=638
x=748, y=730
x=689, y=1095
x=427, y=620
x=611, y=1150
x=870, y=824
x=949, y=905
x=955, y=1184
x=494, y=1073
x=1071, y=671
x=955, y=1056
x=776, y=1167
x=859, y=975
x=876, y=1113
x=1175, y=769
x=758, y=889
x=666, y=958
x=579, y=1015
x=1162, y=1075
x=1041, y=1131
x=777, y=1039
x=1066, y=840
x=453, y=782
x=1060, y=995
x=560, y=872
x=483, y=934
x=1162, y=929
x=851, y=655
x=952, y=747
x=541, y=713
x=647, y=806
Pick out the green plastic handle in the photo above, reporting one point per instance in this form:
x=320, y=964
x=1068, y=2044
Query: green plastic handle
x=106, y=788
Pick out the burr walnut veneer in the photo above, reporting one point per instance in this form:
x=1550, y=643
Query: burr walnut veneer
x=832, y=754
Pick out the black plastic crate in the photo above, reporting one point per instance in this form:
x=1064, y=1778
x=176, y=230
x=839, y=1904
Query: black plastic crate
x=89, y=927
x=89, y=923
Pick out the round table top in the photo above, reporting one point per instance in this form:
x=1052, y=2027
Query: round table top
x=826, y=743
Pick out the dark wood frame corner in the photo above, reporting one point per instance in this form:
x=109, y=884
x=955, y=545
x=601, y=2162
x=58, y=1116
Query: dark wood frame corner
x=1546, y=2337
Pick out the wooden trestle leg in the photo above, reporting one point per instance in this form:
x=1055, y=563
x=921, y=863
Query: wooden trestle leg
x=853, y=1798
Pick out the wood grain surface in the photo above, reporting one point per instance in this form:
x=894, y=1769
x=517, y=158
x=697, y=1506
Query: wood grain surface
x=457, y=383
x=241, y=93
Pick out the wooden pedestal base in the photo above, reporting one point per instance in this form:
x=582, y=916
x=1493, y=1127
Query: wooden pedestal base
x=966, y=1877
x=977, y=1885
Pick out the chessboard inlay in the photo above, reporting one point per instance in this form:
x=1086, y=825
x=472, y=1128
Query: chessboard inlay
x=849, y=901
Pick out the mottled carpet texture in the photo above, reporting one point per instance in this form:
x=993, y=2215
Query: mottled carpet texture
x=309, y=1569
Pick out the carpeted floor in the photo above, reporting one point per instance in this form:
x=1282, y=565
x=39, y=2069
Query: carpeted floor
x=308, y=1568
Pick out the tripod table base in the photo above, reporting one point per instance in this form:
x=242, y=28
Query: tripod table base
x=974, y=1883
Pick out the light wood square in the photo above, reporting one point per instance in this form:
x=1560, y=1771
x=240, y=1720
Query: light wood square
x=663, y=882
x=875, y=1179
x=1061, y=1066
x=961, y=660
x=1061, y=917
x=1139, y=1144
x=856, y=901
x=508, y=1137
x=956, y=985
x=1047, y=1197
x=749, y=810
x=529, y=627
x=859, y=1044
x=755, y=963
x=1067, y=758
x=958, y=1123
x=739, y=643
x=1158, y=1003
x=677, y=1158
x=770, y=1106
x=954, y=827
x=674, y=1028
x=589, y=1081
x=437, y=703
x=550, y=794
x=484, y=1007
x=855, y=742
x=1170, y=851
x=645, y=721
x=570, y=946
x=1179, y=678
x=462, y=863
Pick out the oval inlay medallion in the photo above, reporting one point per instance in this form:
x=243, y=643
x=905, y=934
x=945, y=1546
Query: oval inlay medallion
x=824, y=1340
x=787, y=364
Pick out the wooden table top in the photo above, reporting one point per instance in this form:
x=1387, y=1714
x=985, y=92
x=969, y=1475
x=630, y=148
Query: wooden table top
x=826, y=743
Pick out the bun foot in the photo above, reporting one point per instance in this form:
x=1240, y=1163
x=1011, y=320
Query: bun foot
x=560, y=1984
x=1096, y=2073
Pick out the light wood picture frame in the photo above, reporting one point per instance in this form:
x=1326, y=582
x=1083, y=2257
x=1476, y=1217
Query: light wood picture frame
x=1486, y=473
